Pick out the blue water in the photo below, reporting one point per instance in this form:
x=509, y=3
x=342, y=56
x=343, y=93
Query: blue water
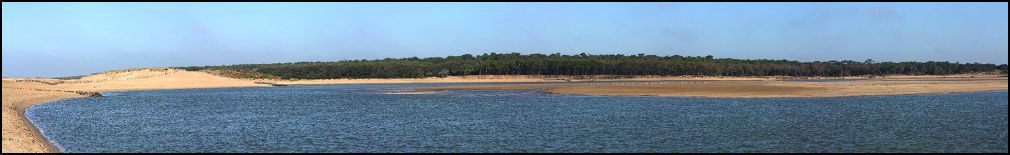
x=361, y=118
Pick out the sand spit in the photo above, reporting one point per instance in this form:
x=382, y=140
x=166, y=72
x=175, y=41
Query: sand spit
x=412, y=93
x=757, y=89
x=504, y=79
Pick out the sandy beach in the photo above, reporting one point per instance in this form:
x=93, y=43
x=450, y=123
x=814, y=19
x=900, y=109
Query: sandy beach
x=19, y=135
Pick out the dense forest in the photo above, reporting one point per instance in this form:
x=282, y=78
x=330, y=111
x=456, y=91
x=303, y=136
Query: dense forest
x=585, y=64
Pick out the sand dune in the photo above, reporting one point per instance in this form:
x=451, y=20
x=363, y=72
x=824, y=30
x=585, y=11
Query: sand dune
x=170, y=79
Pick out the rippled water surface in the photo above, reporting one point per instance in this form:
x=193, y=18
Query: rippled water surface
x=361, y=118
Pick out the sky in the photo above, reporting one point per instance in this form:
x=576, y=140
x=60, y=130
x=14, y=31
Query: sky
x=68, y=39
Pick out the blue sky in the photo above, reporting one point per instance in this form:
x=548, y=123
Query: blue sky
x=65, y=39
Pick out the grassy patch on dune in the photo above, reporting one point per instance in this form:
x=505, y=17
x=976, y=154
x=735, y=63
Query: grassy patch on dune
x=71, y=77
x=239, y=73
x=134, y=70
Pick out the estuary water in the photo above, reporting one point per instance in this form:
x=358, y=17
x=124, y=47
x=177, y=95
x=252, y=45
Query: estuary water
x=362, y=118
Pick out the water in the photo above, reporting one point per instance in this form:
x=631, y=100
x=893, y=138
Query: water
x=361, y=118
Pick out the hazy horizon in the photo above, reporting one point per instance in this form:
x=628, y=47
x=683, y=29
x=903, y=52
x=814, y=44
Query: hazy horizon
x=68, y=39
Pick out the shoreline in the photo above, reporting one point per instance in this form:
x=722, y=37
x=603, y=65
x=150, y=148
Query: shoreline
x=35, y=91
x=753, y=89
x=30, y=139
x=809, y=97
x=22, y=109
x=37, y=134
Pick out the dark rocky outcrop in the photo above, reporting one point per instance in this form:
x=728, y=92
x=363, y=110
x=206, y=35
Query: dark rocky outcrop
x=272, y=84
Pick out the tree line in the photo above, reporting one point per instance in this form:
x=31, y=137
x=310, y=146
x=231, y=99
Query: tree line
x=586, y=64
x=1003, y=69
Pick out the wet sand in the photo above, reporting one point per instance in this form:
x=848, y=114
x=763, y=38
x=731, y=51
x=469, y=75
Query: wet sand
x=412, y=93
x=498, y=79
x=757, y=89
